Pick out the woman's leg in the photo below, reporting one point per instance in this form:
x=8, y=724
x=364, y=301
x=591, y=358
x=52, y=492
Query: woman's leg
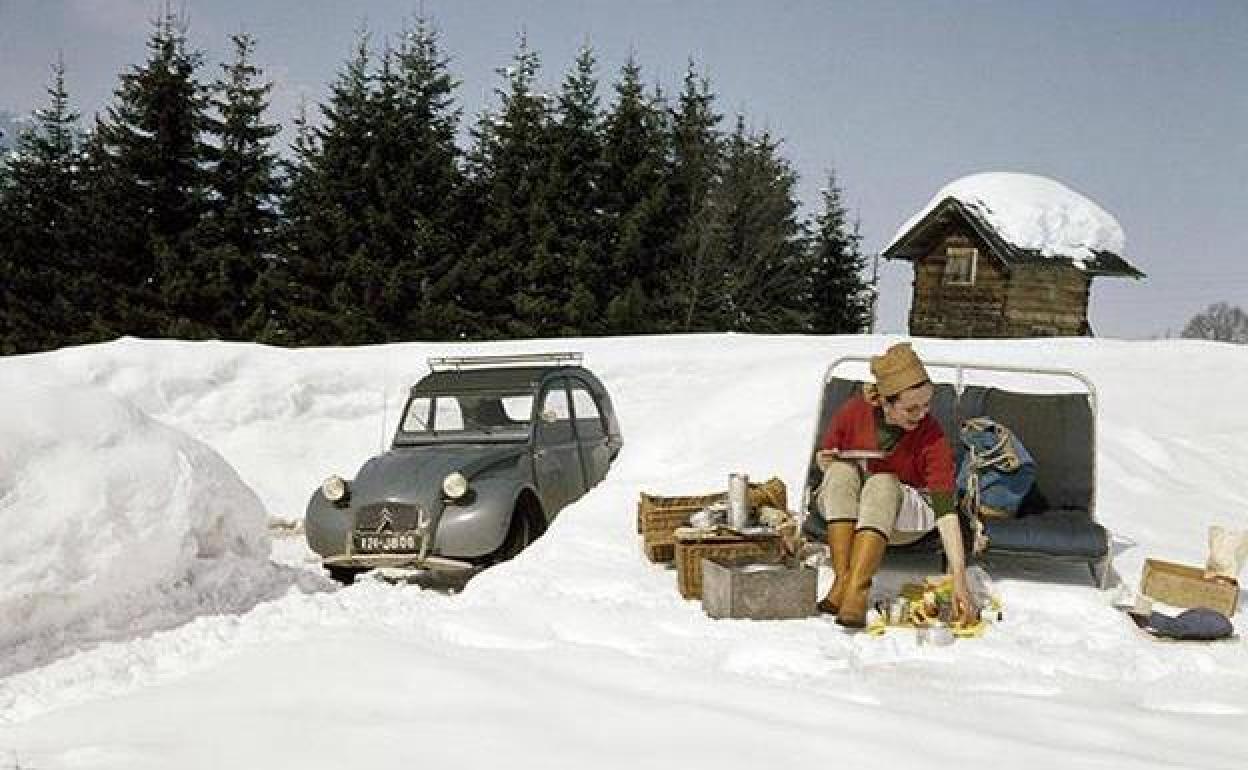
x=838, y=501
x=879, y=502
x=840, y=491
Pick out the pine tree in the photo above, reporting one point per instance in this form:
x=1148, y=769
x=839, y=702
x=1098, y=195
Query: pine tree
x=757, y=277
x=113, y=300
x=571, y=282
x=840, y=296
x=695, y=166
x=634, y=194
x=420, y=179
x=324, y=283
x=370, y=247
x=238, y=233
x=151, y=153
x=45, y=278
x=507, y=169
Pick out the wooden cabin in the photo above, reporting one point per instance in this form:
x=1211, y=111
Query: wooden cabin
x=971, y=281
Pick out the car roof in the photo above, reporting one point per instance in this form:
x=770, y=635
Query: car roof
x=495, y=378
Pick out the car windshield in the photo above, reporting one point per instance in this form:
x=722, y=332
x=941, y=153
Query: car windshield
x=500, y=414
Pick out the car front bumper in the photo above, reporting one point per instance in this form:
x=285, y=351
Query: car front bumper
x=411, y=561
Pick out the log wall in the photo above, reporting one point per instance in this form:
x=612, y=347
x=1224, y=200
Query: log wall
x=1021, y=301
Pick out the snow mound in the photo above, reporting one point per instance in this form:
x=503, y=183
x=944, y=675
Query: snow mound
x=107, y=515
x=1033, y=213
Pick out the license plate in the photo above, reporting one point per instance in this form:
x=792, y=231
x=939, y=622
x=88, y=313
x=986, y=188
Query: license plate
x=385, y=542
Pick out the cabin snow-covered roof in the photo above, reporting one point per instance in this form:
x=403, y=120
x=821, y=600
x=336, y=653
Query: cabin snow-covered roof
x=1026, y=219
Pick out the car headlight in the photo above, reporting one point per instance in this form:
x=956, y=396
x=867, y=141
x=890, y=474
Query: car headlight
x=455, y=485
x=334, y=489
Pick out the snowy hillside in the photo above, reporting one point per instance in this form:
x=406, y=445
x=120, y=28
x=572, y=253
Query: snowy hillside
x=144, y=625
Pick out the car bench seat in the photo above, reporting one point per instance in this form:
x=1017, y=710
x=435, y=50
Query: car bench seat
x=1059, y=432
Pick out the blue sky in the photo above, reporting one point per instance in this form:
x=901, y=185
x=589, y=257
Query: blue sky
x=1140, y=105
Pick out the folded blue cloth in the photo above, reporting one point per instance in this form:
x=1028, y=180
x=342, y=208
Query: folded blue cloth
x=1195, y=624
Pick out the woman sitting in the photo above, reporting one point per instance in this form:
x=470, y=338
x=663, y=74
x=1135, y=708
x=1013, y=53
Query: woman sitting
x=898, y=495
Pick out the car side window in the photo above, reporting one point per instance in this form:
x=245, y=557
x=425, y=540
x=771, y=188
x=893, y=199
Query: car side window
x=589, y=423
x=517, y=408
x=556, y=415
x=417, y=417
x=447, y=414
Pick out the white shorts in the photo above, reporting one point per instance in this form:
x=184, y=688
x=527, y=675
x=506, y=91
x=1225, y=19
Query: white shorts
x=916, y=514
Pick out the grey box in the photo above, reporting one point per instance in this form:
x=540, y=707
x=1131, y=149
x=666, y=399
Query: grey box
x=757, y=591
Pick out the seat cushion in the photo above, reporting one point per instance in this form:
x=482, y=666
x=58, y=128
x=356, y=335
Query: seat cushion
x=1063, y=532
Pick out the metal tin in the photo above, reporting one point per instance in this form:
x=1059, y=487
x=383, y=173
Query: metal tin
x=738, y=500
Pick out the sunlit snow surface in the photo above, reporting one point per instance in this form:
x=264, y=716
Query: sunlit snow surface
x=143, y=624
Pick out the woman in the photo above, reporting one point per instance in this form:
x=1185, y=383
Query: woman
x=894, y=498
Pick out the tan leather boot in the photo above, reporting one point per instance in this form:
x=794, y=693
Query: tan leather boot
x=840, y=540
x=868, y=552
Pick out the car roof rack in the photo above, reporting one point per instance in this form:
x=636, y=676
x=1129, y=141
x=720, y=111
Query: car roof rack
x=529, y=359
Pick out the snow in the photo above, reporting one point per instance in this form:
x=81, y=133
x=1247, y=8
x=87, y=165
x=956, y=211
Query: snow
x=1032, y=213
x=104, y=509
x=136, y=476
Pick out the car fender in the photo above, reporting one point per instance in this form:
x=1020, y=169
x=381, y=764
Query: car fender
x=479, y=526
x=327, y=526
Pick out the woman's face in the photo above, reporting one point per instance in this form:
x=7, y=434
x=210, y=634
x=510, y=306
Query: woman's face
x=910, y=407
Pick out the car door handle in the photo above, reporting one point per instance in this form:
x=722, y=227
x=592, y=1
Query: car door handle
x=539, y=454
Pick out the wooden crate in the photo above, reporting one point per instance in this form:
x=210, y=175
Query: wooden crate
x=1184, y=586
x=721, y=549
x=659, y=517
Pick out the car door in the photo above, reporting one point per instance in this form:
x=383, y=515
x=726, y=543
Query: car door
x=591, y=432
x=556, y=453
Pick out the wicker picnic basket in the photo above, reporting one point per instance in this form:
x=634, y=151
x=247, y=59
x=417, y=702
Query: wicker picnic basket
x=723, y=550
x=659, y=517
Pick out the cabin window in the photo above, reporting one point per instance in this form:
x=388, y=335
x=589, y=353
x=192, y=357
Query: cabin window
x=960, y=265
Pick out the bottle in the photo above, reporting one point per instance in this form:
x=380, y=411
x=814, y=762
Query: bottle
x=738, y=500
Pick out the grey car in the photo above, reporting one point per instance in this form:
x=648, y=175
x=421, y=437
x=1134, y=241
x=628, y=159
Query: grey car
x=487, y=452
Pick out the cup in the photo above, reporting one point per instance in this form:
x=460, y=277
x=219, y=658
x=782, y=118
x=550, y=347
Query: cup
x=897, y=610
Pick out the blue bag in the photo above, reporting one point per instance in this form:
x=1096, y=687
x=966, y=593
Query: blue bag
x=996, y=471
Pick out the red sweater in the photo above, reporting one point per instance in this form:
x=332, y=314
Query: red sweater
x=922, y=458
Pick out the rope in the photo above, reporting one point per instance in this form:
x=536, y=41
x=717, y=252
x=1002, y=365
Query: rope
x=1001, y=455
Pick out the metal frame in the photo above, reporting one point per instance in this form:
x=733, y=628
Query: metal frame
x=456, y=363
x=1102, y=567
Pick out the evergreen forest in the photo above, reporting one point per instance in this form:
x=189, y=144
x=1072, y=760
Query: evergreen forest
x=570, y=210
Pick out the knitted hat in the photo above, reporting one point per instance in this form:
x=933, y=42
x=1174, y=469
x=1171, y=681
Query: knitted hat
x=899, y=368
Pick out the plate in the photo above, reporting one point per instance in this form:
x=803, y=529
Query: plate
x=750, y=531
x=860, y=454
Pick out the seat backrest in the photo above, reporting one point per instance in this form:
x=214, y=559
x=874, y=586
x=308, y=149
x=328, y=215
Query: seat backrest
x=1057, y=430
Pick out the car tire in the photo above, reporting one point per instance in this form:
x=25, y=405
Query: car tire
x=344, y=575
x=519, y=535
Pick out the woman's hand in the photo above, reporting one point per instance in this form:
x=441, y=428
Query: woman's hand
x=964, y=610
x=824, y=458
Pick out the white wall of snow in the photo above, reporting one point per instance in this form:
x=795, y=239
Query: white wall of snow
x=105, y=511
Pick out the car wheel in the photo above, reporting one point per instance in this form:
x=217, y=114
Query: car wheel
x=344, y=575
x=519, y=535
